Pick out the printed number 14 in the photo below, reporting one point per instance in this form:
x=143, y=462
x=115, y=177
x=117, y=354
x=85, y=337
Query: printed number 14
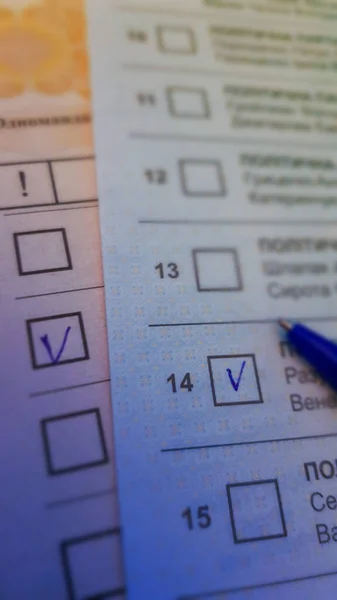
x=185, y=384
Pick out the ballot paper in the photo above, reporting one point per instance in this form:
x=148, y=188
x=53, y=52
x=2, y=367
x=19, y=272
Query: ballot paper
x=59, y=526
x=215, y=126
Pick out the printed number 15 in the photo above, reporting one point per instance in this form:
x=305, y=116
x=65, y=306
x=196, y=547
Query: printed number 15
x=200, y=517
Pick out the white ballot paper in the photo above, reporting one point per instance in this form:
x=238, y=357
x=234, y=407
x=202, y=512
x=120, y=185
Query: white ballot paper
x=215, y=126
x=59, y=525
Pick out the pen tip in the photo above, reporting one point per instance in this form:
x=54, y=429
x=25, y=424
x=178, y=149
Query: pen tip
x=285, y=324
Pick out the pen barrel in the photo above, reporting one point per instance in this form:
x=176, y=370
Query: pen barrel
x=317, y=350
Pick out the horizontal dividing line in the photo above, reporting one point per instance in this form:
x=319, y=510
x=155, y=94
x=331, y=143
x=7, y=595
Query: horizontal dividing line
x=55, y=209
x=67, y=388
x=167, y=11
x=236, y=590
x=251, y=443
x=82, y=498
x=223, y=15
x=28, y=206
x=190, y=71
x=242, y=222
x=95, y=287
x=227, y=70
x=72, y=158
x=45, y=160
x=243, y=322
x=178, y=70
x=213, y=139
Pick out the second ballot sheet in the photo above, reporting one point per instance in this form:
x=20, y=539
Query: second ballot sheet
x=215, y=127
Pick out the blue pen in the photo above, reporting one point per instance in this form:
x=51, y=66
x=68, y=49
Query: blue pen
x=316, y=349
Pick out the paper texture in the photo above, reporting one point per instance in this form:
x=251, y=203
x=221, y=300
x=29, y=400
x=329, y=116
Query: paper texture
x=59, y=525
x=215, y=131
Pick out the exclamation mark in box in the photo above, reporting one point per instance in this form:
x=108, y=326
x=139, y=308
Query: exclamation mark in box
x=22, y=177
x=25, y=184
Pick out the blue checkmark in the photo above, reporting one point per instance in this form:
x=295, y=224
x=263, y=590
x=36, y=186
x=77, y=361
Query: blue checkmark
x=45, y=341
x=235, y=383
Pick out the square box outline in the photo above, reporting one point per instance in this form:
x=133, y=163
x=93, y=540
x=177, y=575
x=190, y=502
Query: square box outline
x=258, y=385
x=62, y=362
x=185, y=161
x=37, y=232
x=64, y=547
x=160, y=30
x=280, y=506
x=234, y=252
x=47, y=449
x=54, y=183
x=174, y=88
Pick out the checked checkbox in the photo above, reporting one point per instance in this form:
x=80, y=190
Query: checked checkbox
x=234, y=380
x=57, y=340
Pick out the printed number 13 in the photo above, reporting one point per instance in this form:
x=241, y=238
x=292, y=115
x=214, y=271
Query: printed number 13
x=170, y=270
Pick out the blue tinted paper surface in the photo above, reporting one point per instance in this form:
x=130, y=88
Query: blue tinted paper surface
x=215, y=136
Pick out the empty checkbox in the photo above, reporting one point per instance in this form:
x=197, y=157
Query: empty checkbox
x=92, y=566
x=188, y=103
x=42, y=251
x=234, y=380
x=217, y=270
x=256, y=511
x=57, y=340
x=73, y=442
x=202, y=178
x=176, y=40
x=75, y=180
x=26, y=185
